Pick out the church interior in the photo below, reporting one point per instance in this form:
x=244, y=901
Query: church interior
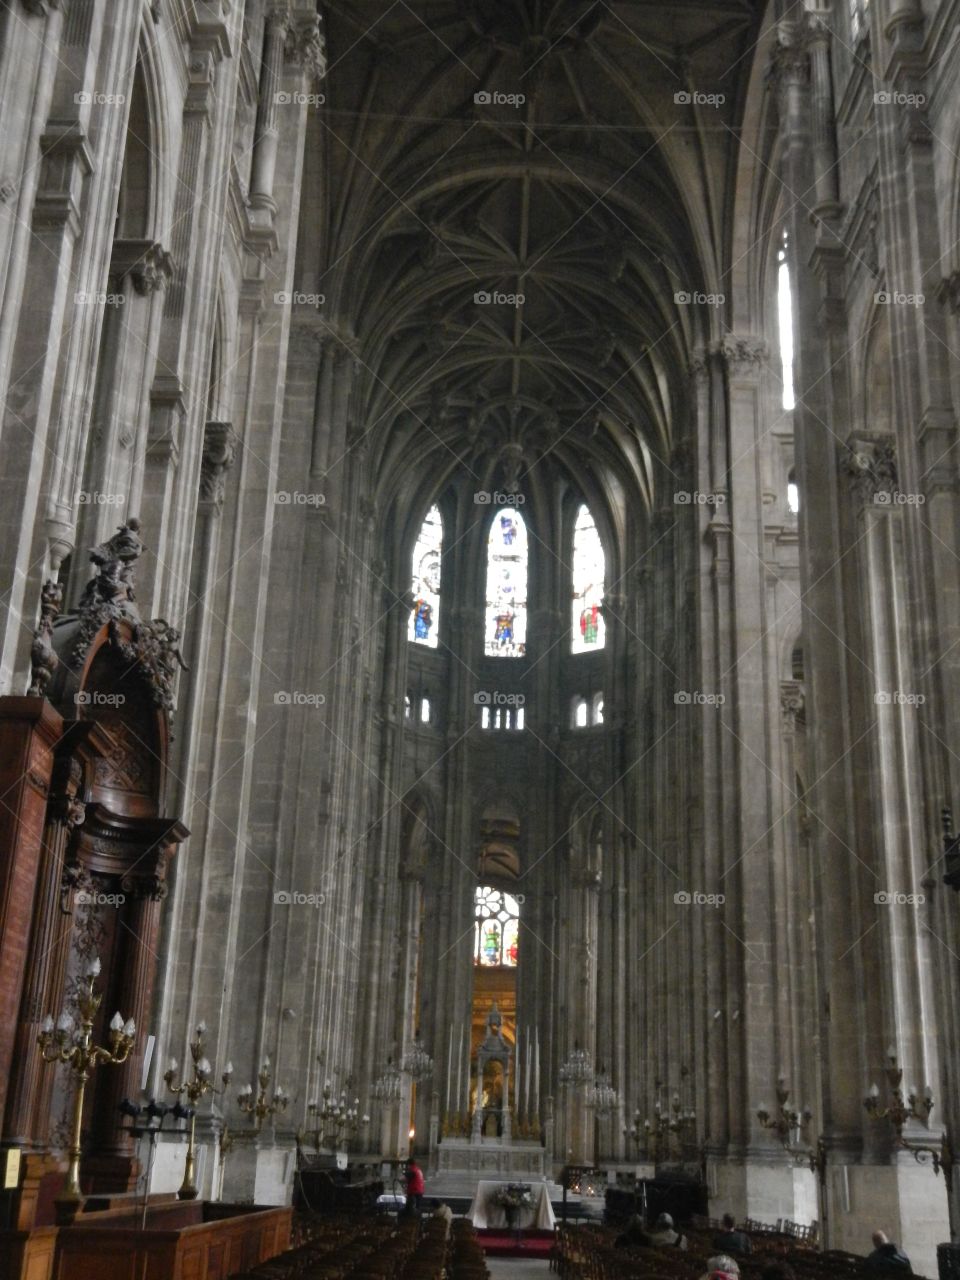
x=479, y=623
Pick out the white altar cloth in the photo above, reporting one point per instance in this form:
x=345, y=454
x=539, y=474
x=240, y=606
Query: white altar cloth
x=484, y=1213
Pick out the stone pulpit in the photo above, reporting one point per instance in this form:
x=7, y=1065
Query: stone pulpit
x=491, y=1114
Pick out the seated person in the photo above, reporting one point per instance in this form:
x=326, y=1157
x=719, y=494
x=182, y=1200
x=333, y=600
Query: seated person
x=886, y=1256
x=729, y=1239
x=721, y=1268
x=634, y=1235
x=664, y=1235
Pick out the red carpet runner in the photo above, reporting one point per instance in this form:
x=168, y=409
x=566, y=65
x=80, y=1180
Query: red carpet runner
x=498, y=1243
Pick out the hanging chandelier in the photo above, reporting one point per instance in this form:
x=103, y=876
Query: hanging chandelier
x=577, y=1071
x=417, y=1064
x=387, y=1087
x=603, y=1096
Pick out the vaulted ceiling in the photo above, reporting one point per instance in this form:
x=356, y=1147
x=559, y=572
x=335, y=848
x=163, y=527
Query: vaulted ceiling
x=569, y=160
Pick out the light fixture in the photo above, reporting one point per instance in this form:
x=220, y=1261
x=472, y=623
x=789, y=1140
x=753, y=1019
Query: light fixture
x=417, y=1064
x=787, y=1123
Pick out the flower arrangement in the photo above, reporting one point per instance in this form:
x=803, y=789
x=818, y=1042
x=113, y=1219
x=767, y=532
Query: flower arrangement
x=515, y=1195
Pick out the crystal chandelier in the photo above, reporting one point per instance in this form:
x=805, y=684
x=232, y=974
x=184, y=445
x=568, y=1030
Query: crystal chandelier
x=387, y=1087
x=577, y=1071
x=603, y=1096
x=418, y=1064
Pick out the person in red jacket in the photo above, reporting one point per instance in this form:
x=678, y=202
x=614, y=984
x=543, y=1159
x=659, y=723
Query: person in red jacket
x=414, y=1186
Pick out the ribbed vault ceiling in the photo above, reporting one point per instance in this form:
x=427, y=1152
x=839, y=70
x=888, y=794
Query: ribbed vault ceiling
x=587, y=206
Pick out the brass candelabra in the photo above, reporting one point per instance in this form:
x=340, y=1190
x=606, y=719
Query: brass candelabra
x=259, y=1106
x=199, y=1084
x=905, y=1107
x=333, y=1118
x=788, y=1123
x=66, y=1042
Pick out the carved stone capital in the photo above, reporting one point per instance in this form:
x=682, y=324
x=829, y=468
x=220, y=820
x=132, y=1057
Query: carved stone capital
x=220, y=442
x=870, y=464
x=743, y=354
x=305, y=46
x=789, y=57
x=145, y=263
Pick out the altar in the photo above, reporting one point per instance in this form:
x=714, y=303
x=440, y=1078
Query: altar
x=483, y=1212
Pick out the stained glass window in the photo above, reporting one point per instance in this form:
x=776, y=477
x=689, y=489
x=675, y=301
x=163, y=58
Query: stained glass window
x=497, y=928
x=425, y=615
x=506, y=612
x=588, y=570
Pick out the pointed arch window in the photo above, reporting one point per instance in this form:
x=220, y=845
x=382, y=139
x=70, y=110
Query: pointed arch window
x=505, y=634
x=785, y=318
x=497, y=928
x=587, y=626
x=425, y=615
